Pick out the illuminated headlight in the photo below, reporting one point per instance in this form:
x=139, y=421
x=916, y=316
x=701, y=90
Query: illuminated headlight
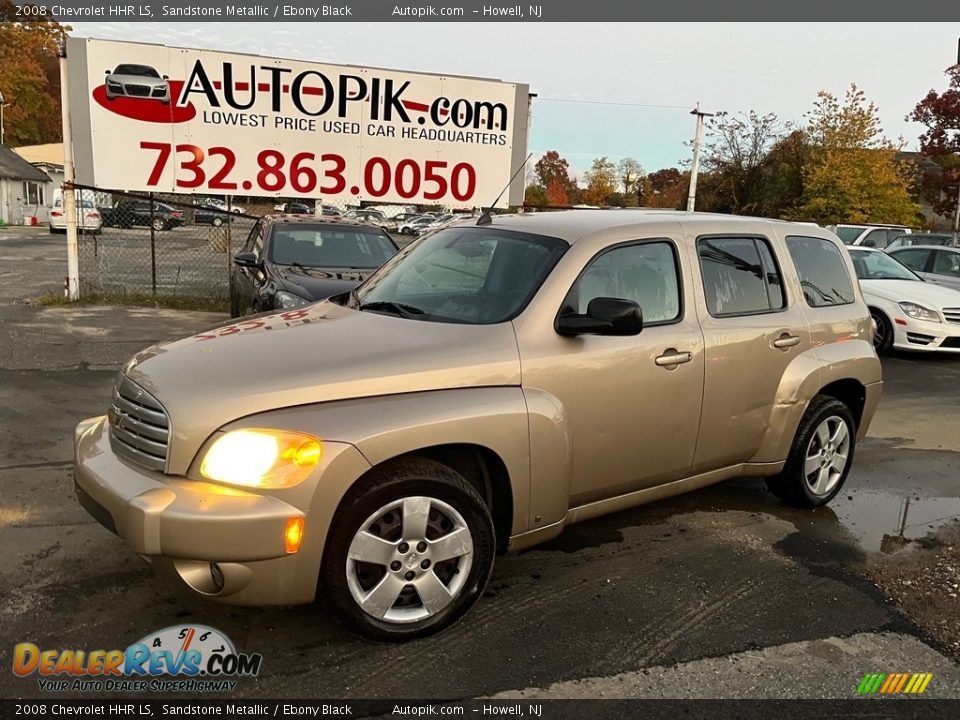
x=262, y=458
x=919, y=312
x=288, y=300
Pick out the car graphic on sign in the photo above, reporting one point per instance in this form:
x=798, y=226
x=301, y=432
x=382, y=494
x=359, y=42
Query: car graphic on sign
x=137, y=81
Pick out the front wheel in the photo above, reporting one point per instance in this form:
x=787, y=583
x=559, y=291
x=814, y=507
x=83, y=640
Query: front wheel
x=821, y=455
x=883, y=336
x=159, y=224
x=410, y=551
x=216, y=222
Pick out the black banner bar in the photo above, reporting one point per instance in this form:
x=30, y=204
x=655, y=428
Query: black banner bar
x=860, y=11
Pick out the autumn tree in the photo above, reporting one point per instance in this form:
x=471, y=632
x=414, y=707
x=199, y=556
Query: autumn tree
x=666, y=188
x=557, y=194
x=30, y=77
x=551, y=168
x=534, y=196
x=852, y=174
x=940, y=142
x=630, y=173
x=601, y=181
x=735, y=158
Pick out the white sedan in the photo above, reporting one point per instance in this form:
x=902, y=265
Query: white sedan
x=910, y=313
x=88, y=217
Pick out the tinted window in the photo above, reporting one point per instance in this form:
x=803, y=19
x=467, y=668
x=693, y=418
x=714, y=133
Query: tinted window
x=823, y=273
x=645, y=273
x=329, y=246
x=947, y=263
x=876, y=265
x=875, y=239
x=740, y=276
x=913, y=259
x=849, y=234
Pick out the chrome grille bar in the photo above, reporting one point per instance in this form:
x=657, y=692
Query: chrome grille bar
x=139, y=426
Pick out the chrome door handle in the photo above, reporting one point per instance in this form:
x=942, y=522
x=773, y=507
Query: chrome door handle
x=786, y=341
x=672, y=357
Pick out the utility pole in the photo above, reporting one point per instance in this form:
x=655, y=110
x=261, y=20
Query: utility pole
x=72, y=284
x=956, y=212
x=695, y=170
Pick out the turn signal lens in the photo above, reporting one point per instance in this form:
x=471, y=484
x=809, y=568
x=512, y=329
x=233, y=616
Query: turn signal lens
x=293, y=534
x=262, y=458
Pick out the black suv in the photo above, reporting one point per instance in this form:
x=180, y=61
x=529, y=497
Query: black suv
x=289, y=260
x=127, y=213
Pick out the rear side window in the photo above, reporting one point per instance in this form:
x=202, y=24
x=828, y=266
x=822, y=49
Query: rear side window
x=823, y=273
x=915, y=259
x=740, y=276
x=947, y=263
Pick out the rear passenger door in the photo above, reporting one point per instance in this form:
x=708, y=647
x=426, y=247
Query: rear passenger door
x=945, y=268
x=752, y=330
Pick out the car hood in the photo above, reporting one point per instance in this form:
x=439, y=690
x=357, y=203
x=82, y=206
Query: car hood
x=137, y=80
x=319, y=283
x=925, y=293
x=311, y=355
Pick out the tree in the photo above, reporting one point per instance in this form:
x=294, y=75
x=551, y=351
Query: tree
x=557, y=194
x=30, y=77
x=783, y=170
x=735, y=155
x=666, y=188
x=852, y=174
x=551, y=168
x=630, y=173
x=601, y=181
x=534, y=196
x=940, y=142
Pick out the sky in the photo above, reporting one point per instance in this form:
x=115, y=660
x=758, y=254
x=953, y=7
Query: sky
x=767, y=67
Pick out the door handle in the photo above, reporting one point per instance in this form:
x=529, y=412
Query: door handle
x=672, y=357
x=786, y=341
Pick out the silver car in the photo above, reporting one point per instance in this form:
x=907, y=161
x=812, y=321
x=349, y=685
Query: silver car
x=137, y=81
x=933, y=263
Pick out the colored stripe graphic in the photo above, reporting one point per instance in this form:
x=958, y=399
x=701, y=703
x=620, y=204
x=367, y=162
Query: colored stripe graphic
x=894, y=683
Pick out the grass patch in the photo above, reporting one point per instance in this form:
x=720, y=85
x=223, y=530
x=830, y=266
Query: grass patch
x=139, y=299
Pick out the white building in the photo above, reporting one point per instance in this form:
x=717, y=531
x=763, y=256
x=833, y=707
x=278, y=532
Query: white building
x=25, y=190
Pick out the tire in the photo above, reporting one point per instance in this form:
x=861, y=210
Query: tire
x=814, y=472
x=883, y=338
x=379, y=506
x=234, y=306
x=217, y=222
x=159, y=224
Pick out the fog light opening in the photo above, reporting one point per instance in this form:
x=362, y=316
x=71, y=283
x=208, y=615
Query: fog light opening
x=293, y=534
x=216, y=575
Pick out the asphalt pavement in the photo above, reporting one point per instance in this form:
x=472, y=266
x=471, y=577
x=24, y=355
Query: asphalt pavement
x=719, y=593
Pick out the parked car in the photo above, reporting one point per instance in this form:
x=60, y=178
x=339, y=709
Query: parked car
x=366, y=215
x=207, y=215
x=295, y=208
x=404, y=217
x=921, y=239
x=330, y=210
x=130, y=212
x=222, y=205
x=910, y=314
x=137, y=81
x=88, y=216
x=873, y=236
x=486, y=387
x=937, y=264
x=413, y=227
x=288, y=261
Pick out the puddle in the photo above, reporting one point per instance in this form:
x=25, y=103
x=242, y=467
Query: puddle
x=887, y=523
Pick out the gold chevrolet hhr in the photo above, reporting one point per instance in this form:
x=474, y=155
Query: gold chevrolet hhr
x=491, y=384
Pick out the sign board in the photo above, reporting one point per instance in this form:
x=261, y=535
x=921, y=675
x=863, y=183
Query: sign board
x=156, y=118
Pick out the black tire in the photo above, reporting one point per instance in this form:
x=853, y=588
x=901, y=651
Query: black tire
x=883, y=338
x=234, y=306
x=217, y=222
x=407, y=478
x=159, y=224
x=793, y=485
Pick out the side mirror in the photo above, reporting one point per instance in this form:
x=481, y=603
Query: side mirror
x=106, y=72
x=166, y=77
x=246, y=259
x=605, y=316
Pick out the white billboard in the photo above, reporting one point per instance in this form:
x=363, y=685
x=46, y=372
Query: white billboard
x=156, y=118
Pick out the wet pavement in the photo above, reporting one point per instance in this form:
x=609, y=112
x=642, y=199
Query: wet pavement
x=722, y=577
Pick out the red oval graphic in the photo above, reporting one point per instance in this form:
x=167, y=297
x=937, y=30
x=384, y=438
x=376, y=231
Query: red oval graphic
x=145, y=108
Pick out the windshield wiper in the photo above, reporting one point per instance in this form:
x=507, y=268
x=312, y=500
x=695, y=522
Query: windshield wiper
x=403, y=310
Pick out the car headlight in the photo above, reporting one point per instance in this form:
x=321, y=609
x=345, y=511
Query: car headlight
x=919, y=312
x=262, y=458
x=286, y=300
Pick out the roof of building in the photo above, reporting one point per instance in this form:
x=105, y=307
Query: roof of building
x=49, y=154
x=14, y=167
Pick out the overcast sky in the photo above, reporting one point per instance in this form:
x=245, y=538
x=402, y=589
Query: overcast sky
x=723, y=66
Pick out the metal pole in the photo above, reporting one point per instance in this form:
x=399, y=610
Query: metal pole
x=2, y=106
x=153, y=250
x=695, y=170
x=229, y=250
x=69, y=194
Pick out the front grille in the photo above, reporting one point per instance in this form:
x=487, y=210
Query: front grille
x=919, y=338
x=138, y=90
x=952, y=315
x=951, y=342
x=159, y=92
x=139, y=426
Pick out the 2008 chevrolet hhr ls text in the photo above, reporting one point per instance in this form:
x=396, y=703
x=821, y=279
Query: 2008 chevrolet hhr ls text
x=490, y=384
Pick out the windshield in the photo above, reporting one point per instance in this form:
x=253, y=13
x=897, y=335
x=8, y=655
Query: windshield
x=473, y=275
x=144, y=70
x=329, y=246
x=849, y=234
x=879, y=266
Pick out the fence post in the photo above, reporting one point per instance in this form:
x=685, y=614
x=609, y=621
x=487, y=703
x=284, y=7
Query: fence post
x=153, y=251
x=229, y=249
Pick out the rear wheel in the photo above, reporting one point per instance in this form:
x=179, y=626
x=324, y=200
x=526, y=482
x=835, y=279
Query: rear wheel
x=159, y=224
x=216, y=222
x=820, y=457
x=409, y=552
x=883, y=337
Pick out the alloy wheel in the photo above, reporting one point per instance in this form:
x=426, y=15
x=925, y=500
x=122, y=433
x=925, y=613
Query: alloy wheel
x=827, y=455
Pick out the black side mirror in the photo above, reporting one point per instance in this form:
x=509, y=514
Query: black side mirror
x=166, y=77
x=246, y=259
x=605, y=316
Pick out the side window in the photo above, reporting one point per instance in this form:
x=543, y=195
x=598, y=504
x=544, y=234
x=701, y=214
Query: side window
x=946, y=263
x=646, y=273
x=915, y=259
x=740, y=276
x=823, y=273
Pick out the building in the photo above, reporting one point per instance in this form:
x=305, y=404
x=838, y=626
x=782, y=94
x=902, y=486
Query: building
x=49, y=158
x=25, y=191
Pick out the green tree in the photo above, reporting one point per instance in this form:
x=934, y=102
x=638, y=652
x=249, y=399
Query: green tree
x=630, y=173
x=534, y=196
x=30, y=77
x=601, y=181
x=852, y=174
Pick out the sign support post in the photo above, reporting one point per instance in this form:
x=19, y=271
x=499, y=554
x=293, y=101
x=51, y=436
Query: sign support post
x=72, y=289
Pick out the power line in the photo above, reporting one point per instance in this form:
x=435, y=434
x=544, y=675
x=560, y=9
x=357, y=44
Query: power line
x=611, y=102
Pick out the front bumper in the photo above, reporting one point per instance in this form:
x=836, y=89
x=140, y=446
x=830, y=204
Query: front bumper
x=926, y=336
x=222, y=542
